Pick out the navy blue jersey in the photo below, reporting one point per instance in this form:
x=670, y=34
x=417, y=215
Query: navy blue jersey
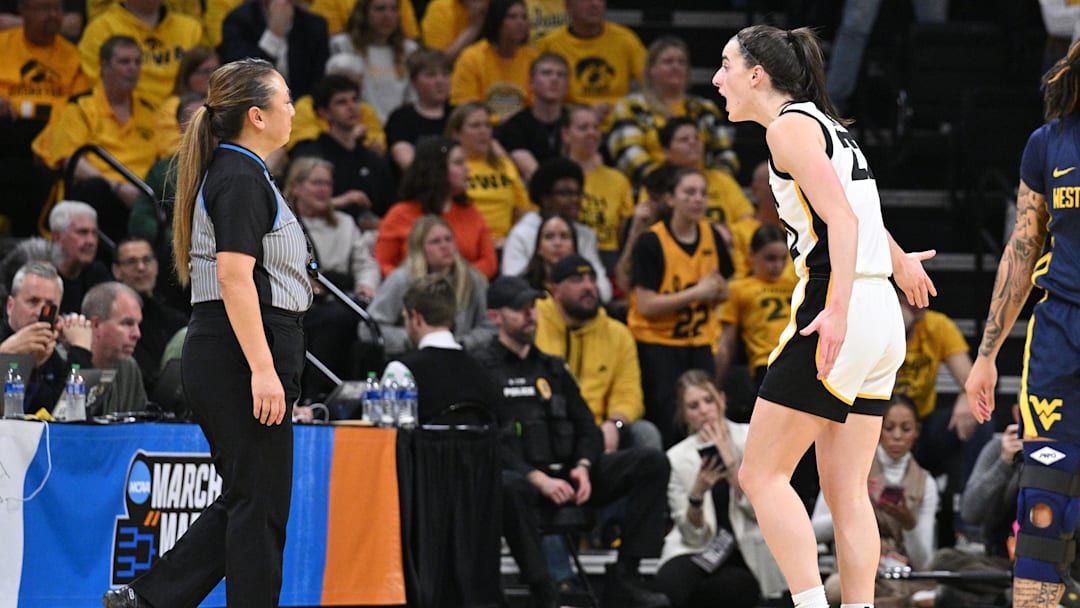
x=1051, y=167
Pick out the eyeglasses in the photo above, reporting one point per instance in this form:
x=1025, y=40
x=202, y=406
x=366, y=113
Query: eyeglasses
x=146, y=260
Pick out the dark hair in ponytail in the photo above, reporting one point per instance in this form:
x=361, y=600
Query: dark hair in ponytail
x=793, y=61
x=1061, y=85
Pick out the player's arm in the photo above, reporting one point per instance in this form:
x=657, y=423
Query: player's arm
x=1011, y=289
x=1013, y=283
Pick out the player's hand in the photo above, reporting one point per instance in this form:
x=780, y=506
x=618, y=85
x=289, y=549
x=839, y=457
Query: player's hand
x=980, y=388
x=911, y=278
x=831, y=326
x=268, y=397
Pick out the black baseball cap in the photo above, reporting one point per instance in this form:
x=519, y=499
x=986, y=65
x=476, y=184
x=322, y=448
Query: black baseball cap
x=571, y=265
x=511, y=292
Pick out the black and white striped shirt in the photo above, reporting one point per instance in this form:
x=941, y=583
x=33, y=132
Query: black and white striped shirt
x=239, y=209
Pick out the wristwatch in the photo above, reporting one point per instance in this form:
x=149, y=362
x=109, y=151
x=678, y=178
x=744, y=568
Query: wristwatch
x=619, y=424
x=695, y=501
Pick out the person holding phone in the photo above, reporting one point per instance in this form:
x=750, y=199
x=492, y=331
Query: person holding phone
x=33, y=326
x=905, y=498
x=715, y=546
x=244, y=253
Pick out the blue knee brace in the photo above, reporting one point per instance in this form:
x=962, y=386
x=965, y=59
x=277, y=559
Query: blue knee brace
x=1049, y=477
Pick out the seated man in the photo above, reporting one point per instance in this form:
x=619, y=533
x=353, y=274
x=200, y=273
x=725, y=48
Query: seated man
x=115, y=311
x=40, y=73
x=75, y=230
x=37, y=284
x=137, y=267
x=444, y=374
x=363, y=180
x=533, y=135
x=572, y=323
x=556, y=187
x=115, y=118
x=429, y=74
x=552, y=454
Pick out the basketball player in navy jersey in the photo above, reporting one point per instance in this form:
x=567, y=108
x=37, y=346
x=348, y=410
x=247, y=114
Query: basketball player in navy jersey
x=1048, y=205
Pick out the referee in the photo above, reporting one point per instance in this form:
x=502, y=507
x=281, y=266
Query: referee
x=244, y=254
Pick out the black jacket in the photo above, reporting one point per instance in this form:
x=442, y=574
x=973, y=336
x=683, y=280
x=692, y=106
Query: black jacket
x=542, y=417
x=309, y=44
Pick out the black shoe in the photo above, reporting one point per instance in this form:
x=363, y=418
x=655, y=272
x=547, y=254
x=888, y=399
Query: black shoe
x=124, y=597
x=624, y=590
x=543, y=595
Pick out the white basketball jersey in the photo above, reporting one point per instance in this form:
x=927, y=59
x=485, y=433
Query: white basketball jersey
x=808, y=236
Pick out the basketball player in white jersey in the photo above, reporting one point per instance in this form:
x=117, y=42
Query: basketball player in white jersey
x=832, y=374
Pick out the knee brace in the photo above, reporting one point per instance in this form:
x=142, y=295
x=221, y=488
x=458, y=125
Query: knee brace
x=1049, y=478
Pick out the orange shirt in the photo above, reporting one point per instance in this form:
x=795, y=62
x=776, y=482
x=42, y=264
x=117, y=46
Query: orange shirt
x=471, y=233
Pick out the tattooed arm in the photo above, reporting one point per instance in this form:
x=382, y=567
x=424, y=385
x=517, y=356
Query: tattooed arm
x=1011, y=289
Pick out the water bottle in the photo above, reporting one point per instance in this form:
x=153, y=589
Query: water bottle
x=14, y=393
x=372, y=399
x=390, y=401
x=75, y=393
x=408, y=401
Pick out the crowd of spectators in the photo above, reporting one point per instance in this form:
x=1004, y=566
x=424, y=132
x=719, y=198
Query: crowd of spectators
x=530, y=160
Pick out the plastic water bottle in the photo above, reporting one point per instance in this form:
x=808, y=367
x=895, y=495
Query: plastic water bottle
x=408, y=403
x=75, y=393
x=390, y=401
x=372, y=399
x=14, y=393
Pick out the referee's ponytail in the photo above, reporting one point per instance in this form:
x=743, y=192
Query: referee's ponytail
x=234, y=88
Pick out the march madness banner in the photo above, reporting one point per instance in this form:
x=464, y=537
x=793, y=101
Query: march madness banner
x=119, y=496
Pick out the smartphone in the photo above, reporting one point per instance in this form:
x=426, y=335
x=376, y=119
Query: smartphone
x=891, y=495
x=49, y=313
x=709, y=450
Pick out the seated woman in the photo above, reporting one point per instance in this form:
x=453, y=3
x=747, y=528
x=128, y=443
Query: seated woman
x=373, y=37
x=556, y=187
x=709, y=509
x=431, y=249
x=555, y=239
x=435, y=184
x=905, y=501
x=344, y=257
x=638, y=117
x=495, y=186
x=495, y=69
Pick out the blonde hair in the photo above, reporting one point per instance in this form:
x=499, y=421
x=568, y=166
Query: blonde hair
x=417, y=265
x=699, y=379
x=234, y=88
x=300, y=171
x=457, y=119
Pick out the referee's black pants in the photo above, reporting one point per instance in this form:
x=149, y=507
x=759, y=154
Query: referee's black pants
x=241, y=536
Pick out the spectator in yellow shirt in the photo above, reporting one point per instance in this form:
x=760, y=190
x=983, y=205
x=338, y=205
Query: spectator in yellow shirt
x=192, y=77
x=545, y=16
x=607, y=201
x=114, y=118
x=38, y=75
x=164, y=36
x=681, y=141
x=604, y=57
x=337, y=13
x=494, y=184
x=495, y=70
x=452, y=25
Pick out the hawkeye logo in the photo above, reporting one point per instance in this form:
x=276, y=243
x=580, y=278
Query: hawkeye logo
x=1046, y=411
x=163, y=495
x=1059, y=172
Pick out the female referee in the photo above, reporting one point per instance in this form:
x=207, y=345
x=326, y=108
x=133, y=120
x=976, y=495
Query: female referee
x=820, y=388
x=245, y=256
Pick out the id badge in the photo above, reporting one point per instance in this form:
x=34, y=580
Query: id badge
x=716, y=552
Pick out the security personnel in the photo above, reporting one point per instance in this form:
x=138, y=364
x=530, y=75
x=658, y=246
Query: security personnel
x=551, y=454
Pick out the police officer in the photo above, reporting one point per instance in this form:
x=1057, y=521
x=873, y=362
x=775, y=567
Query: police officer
x=551, y=454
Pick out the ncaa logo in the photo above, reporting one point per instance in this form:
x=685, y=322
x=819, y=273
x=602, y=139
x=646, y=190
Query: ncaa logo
x=138, y=483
